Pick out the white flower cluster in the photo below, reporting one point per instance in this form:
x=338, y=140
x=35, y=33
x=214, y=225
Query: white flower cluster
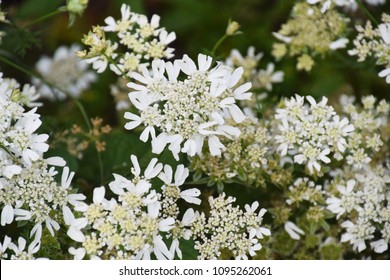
x=370, y=122
x=134, y=225
x=189, y=110
x=363, y=204
x=374, y=42
x=310, y=32
x=229, y=228
x=311, y=133
x=28, y=190
x=12, y=251
x=245, y=157
x=65, y=73
x=138, y=42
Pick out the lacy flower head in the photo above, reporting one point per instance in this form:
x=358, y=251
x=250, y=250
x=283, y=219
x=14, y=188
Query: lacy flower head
x=62, y=75
x=362, y=208
x=309, y=32
x=182, y=105
x=366, y=144
x=137, y=41
x=28, y=190
x=137, y=221
x=229, y=230
x=245, y=157
x=374, y=42
x=311, y=133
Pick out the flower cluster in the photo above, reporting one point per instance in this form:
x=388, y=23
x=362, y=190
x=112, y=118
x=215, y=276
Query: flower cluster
x=374, y=42
x=311, y=133
x=187, y=110
x=371, y=129
x=137, y=42
x=362, y=205
x=63, y=75
x=228, y=228
x=135, y=224
x=321, y=169
x=245, y=157
x=28, y=190
x=18, y=251
x=309, y=32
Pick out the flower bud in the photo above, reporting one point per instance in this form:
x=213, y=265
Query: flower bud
x=77, y=6
x=232, y=28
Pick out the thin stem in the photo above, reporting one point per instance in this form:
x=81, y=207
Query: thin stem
x=83, y=112
x=367, y=12
x=49, y=15
x=116, y=66
x=9, y=62
x=100, y=165
x=218, y=44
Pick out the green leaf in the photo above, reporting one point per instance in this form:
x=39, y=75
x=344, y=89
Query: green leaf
x=188, y=250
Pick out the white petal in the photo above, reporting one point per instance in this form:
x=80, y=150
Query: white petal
x=98, y=195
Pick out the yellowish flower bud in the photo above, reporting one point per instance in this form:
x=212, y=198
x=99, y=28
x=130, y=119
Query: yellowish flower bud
x=232, y=28
x=77, y=6
x=305, y=62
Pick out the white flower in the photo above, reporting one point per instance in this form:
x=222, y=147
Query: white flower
x=384, y=29
x=4, y=247
x=259, y=231
x=151, y=171
x=11, y=170
x=66, y=72
x=75, y=227
x=293, y=230
x=357, y=233
x=7, y=215
x=119, y=25
x=189, y=195
x=379, y=246
x=311, y=155
x=324, y=7
x=182, y=114
x=78, y=253
x=265, y=78
x=385, y=74
x=346, y=203
x=338, y=44
x=282, y=38
x=19, y=250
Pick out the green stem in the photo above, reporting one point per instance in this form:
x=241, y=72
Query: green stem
x=367, y=12
x=5, y=149
x=83, y=112
x=9, y=62
x=49, y=15
x=100, y=166
x=116, y=66
x=218, y=44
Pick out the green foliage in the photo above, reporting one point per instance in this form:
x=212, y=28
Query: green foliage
x=20, y=40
